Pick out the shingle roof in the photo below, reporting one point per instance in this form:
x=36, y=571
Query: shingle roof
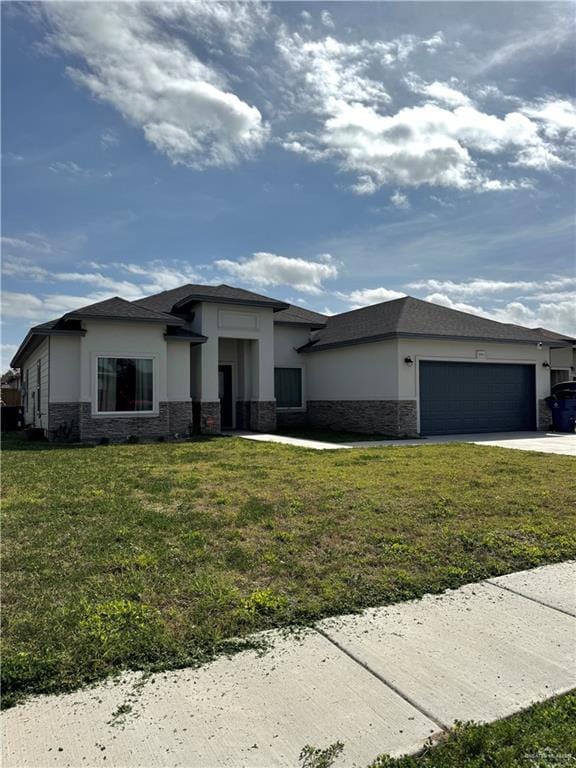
x=120, y=309
x=168, y=301
x=183, y=334
x=413, y=317
x=554, y=336
x=299, y=316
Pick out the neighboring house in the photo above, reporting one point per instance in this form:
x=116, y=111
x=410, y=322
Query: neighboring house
x=211, y=358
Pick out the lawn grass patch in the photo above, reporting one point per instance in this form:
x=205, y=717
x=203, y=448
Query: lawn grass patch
x=162, y=555
x=542, y=736
x=336, y=436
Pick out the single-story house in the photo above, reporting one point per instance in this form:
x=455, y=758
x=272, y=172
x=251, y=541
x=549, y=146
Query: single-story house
x=210, y=358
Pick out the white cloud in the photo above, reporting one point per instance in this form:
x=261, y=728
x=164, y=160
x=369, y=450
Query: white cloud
x=72, y=169
x=400, y=200
x=184, y=107
x=28, y=242
x=557, y=316
x=366, y=296
x=327, y=20
x=484, y=287
x=270, y=269
x=438, y=91
x=109, y=139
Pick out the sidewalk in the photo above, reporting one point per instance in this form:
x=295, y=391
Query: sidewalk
x=381, y=681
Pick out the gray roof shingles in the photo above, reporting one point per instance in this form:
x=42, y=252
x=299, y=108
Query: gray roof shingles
x=299, y=316
x=120, y=309
x=167, y=301
x=414, y=317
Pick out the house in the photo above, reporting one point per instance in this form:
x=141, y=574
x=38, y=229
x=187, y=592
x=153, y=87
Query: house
x=210, y=358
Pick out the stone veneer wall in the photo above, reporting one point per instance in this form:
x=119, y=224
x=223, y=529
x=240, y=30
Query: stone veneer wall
x=544, y=416
x=388, y=417
x=180, y=418
x=263, y=415
x=242, y=414
x=207, y=417
x=64, y=421
x=292, y=419
x=93, y=428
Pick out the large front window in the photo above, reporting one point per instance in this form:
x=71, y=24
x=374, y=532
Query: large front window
x=288, y=387
x=125, y=384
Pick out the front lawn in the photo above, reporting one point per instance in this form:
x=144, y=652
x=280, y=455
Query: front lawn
x=160, y=555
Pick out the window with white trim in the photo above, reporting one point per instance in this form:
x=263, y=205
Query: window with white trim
x=125, y=385
x=288, y=387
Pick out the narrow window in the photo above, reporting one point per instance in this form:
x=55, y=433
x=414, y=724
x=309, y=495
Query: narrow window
x=125, y=385
x=288, y=387
x=27, y=391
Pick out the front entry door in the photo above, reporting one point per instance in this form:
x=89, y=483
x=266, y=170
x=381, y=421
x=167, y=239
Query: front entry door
x=225, y=395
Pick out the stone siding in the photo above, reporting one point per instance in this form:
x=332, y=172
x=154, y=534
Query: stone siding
x=387, y=417
x=263, y=415
x=292, y=419
x=242, y=414
x=207, y=417
x=64, y=422
x=117, y=428
x=180, y=418
x=544, y=416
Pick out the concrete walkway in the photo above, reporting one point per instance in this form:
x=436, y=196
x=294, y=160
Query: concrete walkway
x=385, y=680
x=543, y=442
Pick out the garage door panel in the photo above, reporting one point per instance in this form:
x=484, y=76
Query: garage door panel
x=476, y=397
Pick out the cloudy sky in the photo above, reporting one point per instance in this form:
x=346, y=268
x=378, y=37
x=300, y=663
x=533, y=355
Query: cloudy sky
x=329, y=154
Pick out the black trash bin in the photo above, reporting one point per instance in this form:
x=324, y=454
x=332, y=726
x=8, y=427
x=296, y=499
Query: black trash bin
x=562, y=403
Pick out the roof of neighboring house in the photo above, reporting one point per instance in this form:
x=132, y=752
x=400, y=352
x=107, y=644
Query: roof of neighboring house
x=177, y=298
x=299, y=316
x=120, y=309
x=409, y=317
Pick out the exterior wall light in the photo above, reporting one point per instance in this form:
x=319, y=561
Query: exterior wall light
x=408, y=360
x=545, y=365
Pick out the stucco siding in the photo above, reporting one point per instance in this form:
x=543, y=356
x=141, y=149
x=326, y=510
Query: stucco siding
x=65, y=369
x=122, y=339
x=563, y=358
x=178, y=371
x=361, y=372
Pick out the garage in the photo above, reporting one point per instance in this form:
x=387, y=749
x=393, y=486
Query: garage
x=457, y=398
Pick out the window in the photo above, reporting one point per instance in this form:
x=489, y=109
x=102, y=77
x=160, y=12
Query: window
x=288, y=387
x=27, y=390
x=125, y=384
x=559, y=374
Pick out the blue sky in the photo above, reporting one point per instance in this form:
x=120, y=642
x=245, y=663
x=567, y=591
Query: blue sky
x=329, y=154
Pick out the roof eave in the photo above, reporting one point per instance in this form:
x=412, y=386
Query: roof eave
x=196, y=299
x=168, y=320
x=23, y=349
x=319, y=346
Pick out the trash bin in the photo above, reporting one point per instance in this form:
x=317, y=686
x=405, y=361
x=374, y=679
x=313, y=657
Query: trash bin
x=562, y=403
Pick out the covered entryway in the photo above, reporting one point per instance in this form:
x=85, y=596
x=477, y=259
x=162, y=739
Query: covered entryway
x=459, y=398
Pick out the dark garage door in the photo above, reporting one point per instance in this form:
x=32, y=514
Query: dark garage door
x=456, y=398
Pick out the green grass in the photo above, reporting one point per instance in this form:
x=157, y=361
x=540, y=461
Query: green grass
x=543, y=736
x=161, y=555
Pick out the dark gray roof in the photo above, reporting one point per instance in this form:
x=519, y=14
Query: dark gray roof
x=171, y=301
x=120, y=309
x=411, y=317
x=554, y=336
x=299, y=316
x=183, y=334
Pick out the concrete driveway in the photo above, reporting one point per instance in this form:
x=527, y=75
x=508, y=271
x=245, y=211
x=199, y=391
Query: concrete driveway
x=543, y=442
